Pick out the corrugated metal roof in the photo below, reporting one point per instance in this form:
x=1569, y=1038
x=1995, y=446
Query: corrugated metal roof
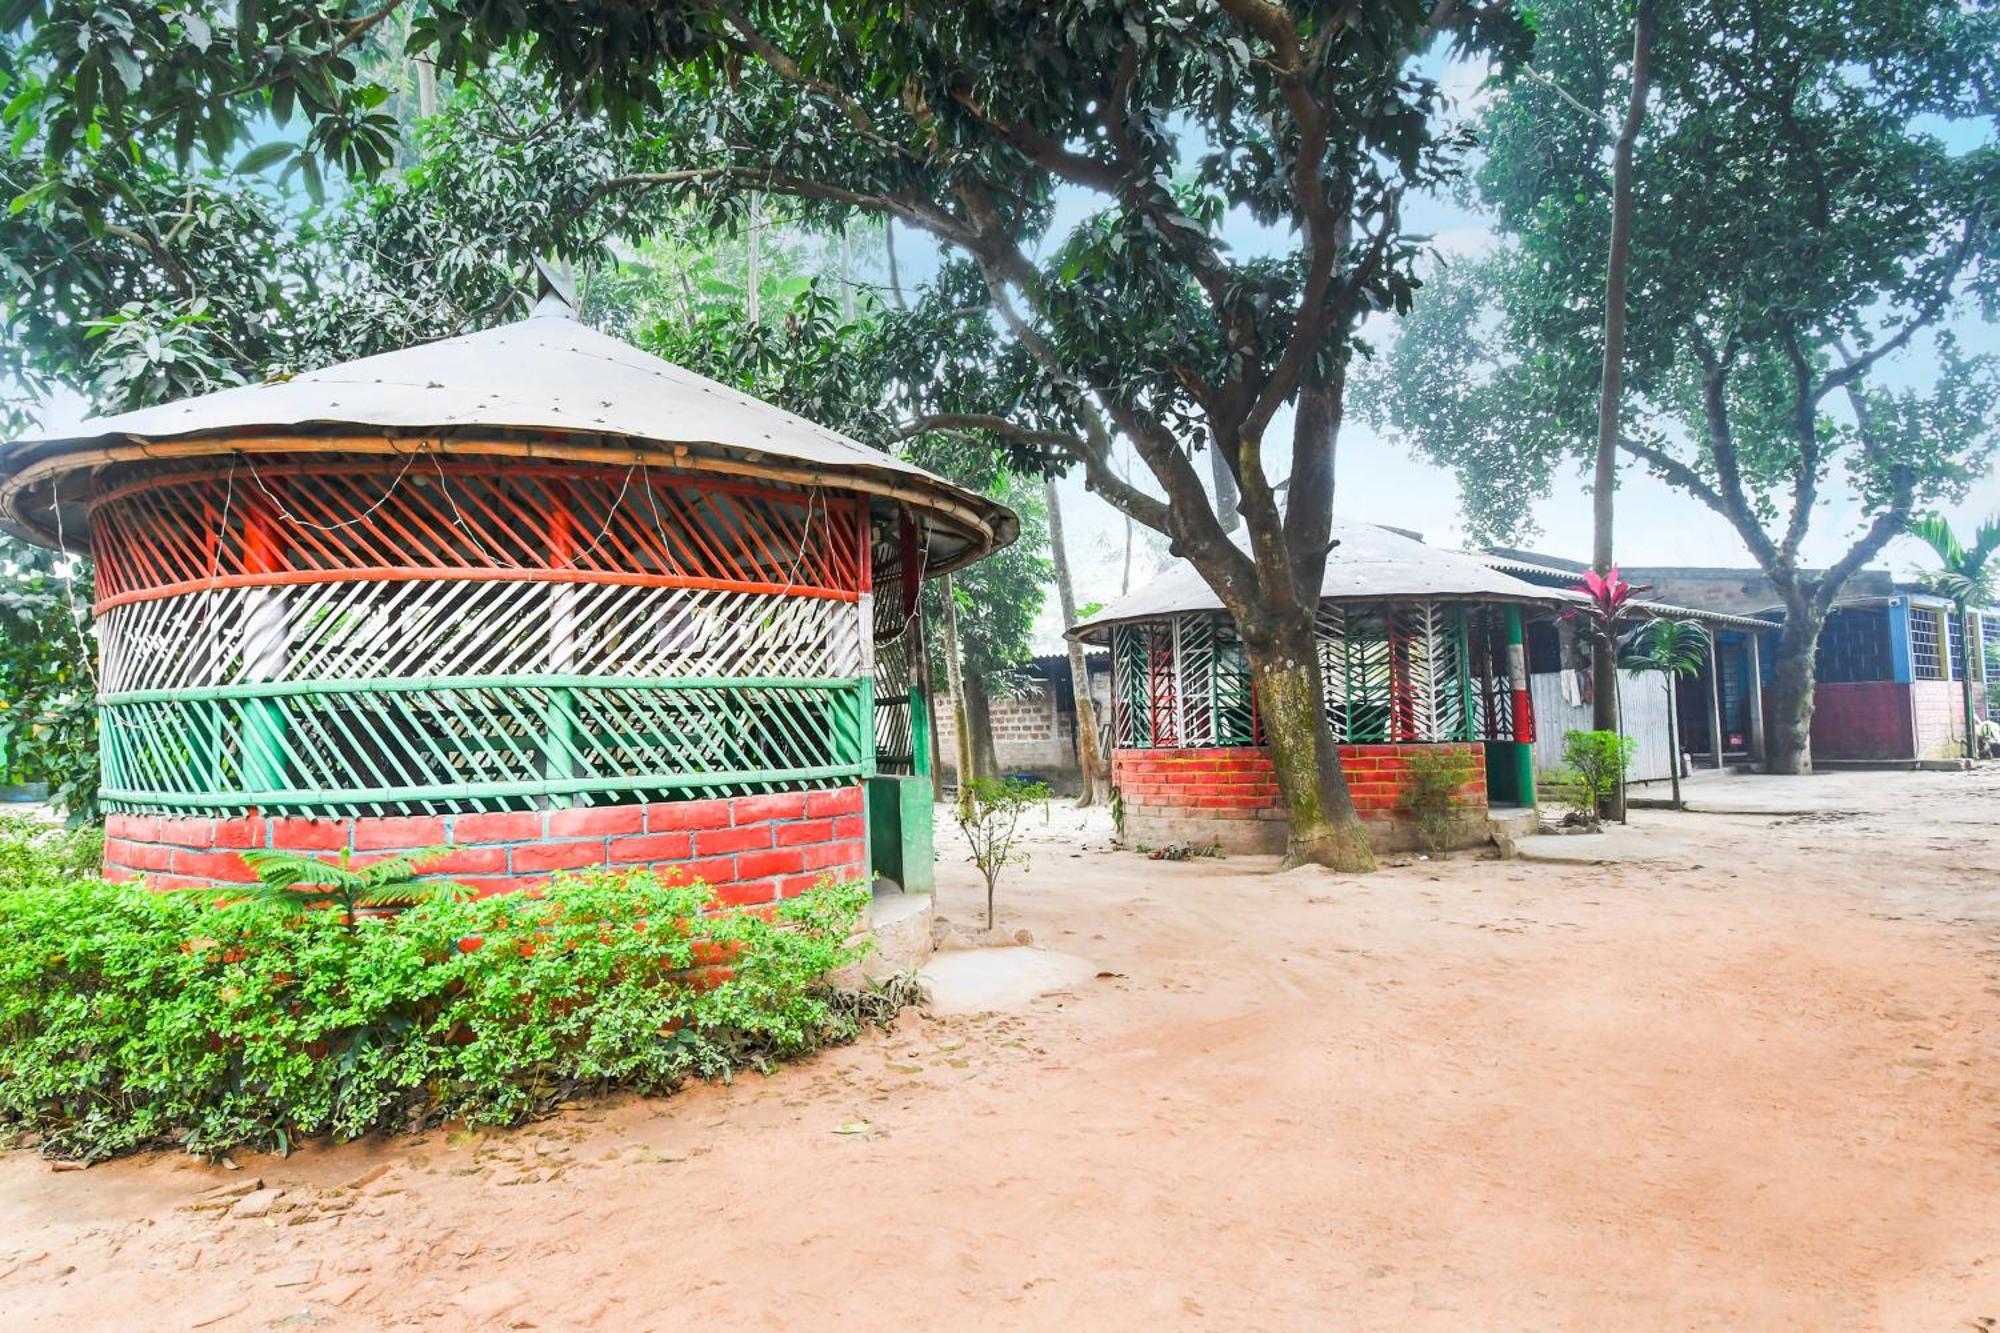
x=1370, y=563
x=1669, y=610
x=545, y=373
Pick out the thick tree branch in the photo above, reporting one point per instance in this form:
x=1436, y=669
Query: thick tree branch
x=1729, y=498
x=361, y=26
x=1934, y=305
x=1189, y=519
x=1805, y=425
x=1888, y=523
x=1320, y=224
x=1096, y=464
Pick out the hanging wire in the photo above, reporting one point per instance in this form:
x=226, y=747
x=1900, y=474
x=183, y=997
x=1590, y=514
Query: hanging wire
x=609, y=518
x=358, y=519
x=458, y=518
x=815, y=497
x=228, y=499
x=69, y=589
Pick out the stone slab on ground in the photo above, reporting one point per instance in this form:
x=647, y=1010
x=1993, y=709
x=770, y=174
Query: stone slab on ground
x=902, y=926
x=977, y=981
x=1616, y=844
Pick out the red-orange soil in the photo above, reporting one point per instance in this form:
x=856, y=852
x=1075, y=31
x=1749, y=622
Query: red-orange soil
x=1745, y=1078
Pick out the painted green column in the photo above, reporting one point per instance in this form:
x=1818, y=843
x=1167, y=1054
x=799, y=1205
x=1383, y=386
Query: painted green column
x=1523, y=744
x=920, y=732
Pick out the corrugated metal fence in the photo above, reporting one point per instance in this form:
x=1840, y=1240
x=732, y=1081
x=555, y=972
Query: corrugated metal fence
x=1645, y=708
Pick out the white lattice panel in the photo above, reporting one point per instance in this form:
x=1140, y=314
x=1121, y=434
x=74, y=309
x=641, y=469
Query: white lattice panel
x=451, y=628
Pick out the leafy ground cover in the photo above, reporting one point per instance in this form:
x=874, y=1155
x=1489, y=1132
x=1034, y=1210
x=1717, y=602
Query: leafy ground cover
x=130, y=1018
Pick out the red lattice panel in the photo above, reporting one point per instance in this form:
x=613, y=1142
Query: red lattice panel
x=417, y=518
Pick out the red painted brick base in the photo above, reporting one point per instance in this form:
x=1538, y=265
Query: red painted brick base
x=1864, y=719
x=1229, y=796
x=752, y=849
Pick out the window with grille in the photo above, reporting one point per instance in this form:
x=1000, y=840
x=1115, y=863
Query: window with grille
x=1927, y=640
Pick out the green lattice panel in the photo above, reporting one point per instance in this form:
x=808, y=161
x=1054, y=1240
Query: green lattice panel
x=395, y=747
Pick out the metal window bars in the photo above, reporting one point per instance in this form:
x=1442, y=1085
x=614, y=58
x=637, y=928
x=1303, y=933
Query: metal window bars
x=1927, y=643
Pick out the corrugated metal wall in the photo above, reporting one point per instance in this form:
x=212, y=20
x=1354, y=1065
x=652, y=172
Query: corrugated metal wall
x=1645, y=701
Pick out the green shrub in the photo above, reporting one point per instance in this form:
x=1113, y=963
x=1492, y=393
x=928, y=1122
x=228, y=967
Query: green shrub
x=36, y=853
x=1434, y=777
x=989, y=814
x=130, y=1018
x=1594, y=763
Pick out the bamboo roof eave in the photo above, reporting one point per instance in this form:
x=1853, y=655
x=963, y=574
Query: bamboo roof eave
x=981, y=526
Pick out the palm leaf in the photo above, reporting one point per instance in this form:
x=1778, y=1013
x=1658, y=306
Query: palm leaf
x=1677, y=647
x=1934, y=531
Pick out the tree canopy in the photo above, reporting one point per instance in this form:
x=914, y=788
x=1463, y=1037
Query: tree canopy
x=1079, y=160
x=1799, y=221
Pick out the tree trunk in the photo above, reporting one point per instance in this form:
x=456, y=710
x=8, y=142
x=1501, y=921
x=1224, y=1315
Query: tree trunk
x=955, y=680
x=889, y=247
x=846, y=278
x=1225, y=491
x=753, y=296
x=1969, y=631
x=427, y=88
x=1674, y=734
x=1284, y=668
x=1611, y=388
x=1086, y=714
x=1790, y=718
x=978, y=715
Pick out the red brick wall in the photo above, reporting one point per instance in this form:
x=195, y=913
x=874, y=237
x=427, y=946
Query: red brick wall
x=1868, y=719
x=1231, y=794
x=752, y=849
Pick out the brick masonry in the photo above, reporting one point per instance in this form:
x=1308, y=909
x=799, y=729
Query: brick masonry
x=1938, y=710
x=751, y=849
x=1867, y=719
x=1028, y=733
x=1229, y=796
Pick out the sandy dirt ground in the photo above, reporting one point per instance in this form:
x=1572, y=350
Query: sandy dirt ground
x=1741, y=1075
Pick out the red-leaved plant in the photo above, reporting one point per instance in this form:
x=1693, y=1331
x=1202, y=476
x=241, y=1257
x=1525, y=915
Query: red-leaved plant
x=1610, y=598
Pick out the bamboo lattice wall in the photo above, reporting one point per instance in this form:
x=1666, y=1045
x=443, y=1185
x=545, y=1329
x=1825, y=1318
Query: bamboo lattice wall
x=1394, y=673
x=360, y=637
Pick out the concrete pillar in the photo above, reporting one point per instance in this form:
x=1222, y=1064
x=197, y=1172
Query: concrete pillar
x=1715, y=695
x=1754, y=665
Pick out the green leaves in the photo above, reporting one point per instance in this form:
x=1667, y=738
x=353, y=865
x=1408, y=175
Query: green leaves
x=263, y=156
x=1795, y=214
x=130, y=1018
x=1673, y=647
x=1969, y=576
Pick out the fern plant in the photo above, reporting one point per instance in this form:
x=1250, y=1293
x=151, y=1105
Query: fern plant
x=294, y=883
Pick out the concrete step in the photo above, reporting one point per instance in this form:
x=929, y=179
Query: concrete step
x=901, y=925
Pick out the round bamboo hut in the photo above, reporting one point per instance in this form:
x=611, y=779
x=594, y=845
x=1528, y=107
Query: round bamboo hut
x=1420, y=651
x=529, y=593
